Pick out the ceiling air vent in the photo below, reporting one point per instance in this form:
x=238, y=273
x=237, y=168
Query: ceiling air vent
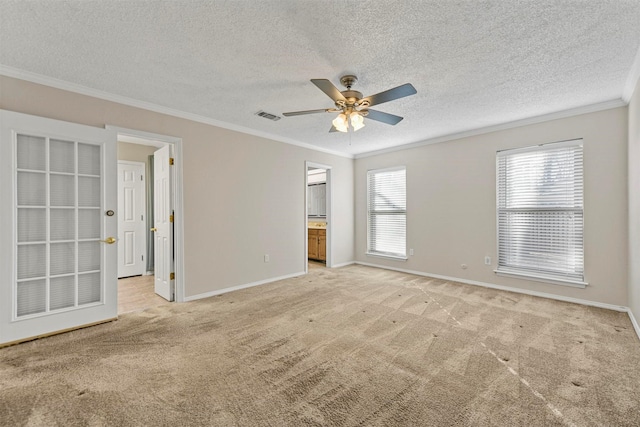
x=268, y=115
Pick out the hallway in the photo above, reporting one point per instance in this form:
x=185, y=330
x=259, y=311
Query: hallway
x=136, y=294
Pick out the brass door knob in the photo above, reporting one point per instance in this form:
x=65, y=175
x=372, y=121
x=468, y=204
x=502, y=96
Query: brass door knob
x=153, y=229
x=109, y=240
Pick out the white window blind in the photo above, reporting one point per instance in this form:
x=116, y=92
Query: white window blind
x=58, y=189
x=387, y=212
x=540, y=211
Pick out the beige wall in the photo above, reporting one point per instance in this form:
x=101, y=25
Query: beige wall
x=134, y=152
x=634, y=203
x=451, y=204
x=243, y=195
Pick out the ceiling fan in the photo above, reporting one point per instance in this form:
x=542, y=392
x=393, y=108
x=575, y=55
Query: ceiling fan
x=353, y=107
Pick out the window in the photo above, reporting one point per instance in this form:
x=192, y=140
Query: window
x=387, y=212
x=540, y=212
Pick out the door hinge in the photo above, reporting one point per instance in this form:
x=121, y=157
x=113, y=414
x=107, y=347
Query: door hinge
x=171, y=161
x=172, y=276
x=170, y=218
x=142, y=256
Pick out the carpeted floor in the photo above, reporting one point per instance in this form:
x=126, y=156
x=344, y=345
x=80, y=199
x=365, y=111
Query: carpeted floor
x=354, y=346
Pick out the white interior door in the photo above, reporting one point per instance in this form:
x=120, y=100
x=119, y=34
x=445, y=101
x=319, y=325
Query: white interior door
x=131, y=219
x=163, y=223
x=58, y=182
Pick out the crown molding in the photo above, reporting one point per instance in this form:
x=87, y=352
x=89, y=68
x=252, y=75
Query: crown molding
x=632, y=80
x=84, y=90
x=607, y=105
x=634, y=75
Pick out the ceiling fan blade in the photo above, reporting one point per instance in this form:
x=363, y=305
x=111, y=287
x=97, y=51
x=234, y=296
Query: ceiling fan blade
x=300, y=113
x=333, y=129
x=387, y=118
x=327, y=87
x=391, y=94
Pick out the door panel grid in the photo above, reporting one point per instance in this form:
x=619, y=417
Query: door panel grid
x=58, y=188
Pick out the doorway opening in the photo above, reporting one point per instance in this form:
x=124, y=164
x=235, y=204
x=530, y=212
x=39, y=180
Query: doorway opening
x=135, y=219
x=149, y=225
x=317, y=216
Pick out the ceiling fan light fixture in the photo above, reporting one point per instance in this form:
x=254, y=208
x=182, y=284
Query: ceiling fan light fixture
x=357, y=121
x=340, y=123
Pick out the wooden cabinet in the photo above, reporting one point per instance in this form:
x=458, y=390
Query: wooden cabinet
x=313, y=244
x=322, y=245
x=317, y=241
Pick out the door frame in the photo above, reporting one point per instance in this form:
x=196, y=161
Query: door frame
x=147, y=138
x=328, y=195
x=143, y=211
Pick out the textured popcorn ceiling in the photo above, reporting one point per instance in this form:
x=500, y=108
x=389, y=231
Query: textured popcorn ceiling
x=473, y=63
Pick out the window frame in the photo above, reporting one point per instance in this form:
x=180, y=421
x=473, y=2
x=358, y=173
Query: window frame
x=369, y=250
x=529, y=273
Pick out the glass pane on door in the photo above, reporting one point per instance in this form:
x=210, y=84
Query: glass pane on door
x=58, y=223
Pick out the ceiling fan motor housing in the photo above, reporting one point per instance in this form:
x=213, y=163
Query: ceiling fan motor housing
x=352, y=97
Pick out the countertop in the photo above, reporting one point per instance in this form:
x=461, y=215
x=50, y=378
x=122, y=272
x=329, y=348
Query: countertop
x=317, y=225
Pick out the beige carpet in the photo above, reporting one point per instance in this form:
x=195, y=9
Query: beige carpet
x=355, y=346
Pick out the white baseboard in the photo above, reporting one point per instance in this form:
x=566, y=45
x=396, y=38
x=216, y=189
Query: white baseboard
x=634, y=322
x=237, y=288
x=344, y=264
x=506, y=288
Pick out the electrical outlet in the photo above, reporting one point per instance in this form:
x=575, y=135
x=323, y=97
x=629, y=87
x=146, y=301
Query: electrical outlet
x=487, y=260
x=411, y=252
x=266, y=258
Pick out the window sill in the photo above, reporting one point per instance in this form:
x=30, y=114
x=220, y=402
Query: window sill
x=541, y=278
x=379, y=255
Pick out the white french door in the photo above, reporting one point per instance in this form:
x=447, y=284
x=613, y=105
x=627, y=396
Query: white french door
x=163, y=223
x=57, y=222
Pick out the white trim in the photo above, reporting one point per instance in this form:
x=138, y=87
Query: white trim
x=328, y=217
x=178, y=197
x=141, y=137
x=381, y=255
x=344, y=264
x=238, y=287
x=632, y=79
x=132, y=162
x=84, y=90
x=138, y=141
x=554, y=280
x=178, y=225
x=620, y=308
x=577, y=142
x=634, y=322
x=607, y=105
